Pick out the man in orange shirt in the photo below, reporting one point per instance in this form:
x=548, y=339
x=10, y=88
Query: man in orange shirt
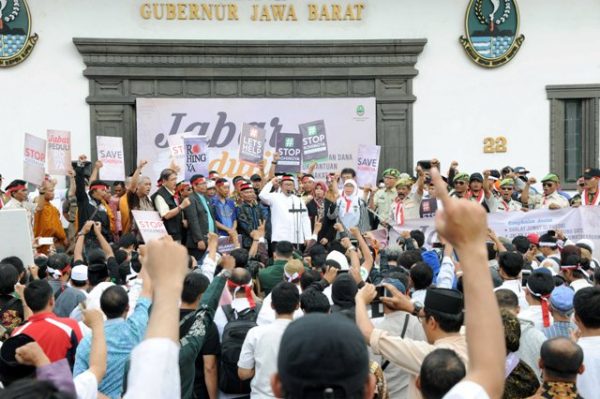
x=46, y=222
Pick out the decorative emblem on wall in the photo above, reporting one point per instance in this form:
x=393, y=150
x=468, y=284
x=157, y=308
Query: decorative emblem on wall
x=16, y=40
x=492, y=28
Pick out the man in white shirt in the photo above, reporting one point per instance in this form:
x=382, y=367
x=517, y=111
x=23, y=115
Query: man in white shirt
x=587, y=318
x=258, y=357
x=574, y=274
x=510, y=265
x=18, y=192
x=539, y=287
x=289, y=216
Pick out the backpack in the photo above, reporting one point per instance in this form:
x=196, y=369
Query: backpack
x=234, y=333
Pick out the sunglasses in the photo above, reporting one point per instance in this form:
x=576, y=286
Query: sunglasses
x=460, y=183
x=547, y=184
x=506, y=188
x=581, y=184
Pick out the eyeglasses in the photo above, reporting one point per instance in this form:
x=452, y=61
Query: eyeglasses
x=460, y=183
x=547, y=184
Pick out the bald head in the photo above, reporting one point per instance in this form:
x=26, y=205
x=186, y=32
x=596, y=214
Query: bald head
x=240, y=276
x=561, y=359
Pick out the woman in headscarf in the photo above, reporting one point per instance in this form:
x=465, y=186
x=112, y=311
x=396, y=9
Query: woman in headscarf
x=351, y=209
x=521, y=381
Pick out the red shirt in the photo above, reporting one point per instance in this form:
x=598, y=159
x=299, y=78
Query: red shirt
x=57, y=336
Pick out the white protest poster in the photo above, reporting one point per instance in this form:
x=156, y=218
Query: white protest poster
x=177, y=151
x=150, y=225
x=367, y=165
x=110, y=152
x=349, y=121
x=34, y=160
x=15, y=235
x=252, y=143
x=196, y=156
x=59, y=152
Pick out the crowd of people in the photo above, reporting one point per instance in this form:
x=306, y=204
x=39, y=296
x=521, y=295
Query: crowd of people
x=311, y=297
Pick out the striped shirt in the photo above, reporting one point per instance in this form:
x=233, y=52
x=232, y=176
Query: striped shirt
x=559, y=329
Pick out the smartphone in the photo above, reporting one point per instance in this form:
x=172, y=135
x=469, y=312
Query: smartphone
x=425, y=165
x=377, y=305
x=524, y=277
x=45, y=241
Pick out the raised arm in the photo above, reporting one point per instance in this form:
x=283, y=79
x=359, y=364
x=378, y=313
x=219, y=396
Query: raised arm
x=136, y=176
x=93, y=318
x=364, y=249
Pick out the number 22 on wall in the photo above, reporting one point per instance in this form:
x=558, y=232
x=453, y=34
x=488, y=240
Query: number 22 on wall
x=494, y=144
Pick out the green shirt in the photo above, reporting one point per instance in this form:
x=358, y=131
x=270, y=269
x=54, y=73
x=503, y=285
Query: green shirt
x=192, y=342
x=271, y=276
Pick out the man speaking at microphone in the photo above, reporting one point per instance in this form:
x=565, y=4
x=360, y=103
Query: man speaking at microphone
x=289, y=217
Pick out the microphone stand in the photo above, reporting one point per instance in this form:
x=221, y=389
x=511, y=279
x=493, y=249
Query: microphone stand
x=297, y=215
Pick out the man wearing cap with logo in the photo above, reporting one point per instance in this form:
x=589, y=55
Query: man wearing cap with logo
x=591, y=194
x=200, y=218
x=550, y=199
x=384, y=198
x=460, y=183
x=506, y=203
x=407, y=203
x=289, y=216
x=441, y=317
x=561, y=307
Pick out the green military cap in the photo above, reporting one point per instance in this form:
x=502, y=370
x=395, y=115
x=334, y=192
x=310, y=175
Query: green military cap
x=403, y=182
x=391, y=172
x=462, y=176
x=551, y=177
x=507, y=182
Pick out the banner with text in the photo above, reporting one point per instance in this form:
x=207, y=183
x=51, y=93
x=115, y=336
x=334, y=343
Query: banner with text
x=252, y=143
x=110, y=152
x=367, y=165
x=314, y=141
x=34, y=161
x=576, y=223
x=220, y=121
x=289, y=147
x=150, y=225
x=59, y=152
x=177, y=150
x=196, y=156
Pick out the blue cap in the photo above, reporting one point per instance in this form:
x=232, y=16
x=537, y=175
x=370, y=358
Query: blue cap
x=562, y=299
x=399, y=285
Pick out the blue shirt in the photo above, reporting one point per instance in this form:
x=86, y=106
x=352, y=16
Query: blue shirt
x=121, y=337
x=225, y=212
x=211, y=222
x=559, y=329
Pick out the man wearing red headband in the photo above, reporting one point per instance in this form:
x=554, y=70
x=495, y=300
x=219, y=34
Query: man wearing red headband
x=90, y=205
x=289, y=216
x=308, y=188
x=17, y=190
x=200, y=217
x=249, y=215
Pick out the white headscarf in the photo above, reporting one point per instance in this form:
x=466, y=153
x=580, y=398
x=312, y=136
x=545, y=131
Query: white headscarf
x=348, y=206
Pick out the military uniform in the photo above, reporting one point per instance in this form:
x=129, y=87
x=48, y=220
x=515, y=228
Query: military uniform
x=544, y=201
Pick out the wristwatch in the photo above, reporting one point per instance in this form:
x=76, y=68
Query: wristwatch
x=417, y=309
x=225, y=273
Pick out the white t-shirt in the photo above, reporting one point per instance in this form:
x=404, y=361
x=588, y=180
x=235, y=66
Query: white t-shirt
x=267, y=313
x=516, y=287
x=259, y=352
x=86, y=385
x=589, y=381
x=467, y=390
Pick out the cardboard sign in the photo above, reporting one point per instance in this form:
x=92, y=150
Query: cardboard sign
x=59, y=152
x=15, y=235
x=110, y=152
x=252, y=143
x=196, y=156
x=150, y=225
x=289, y=147
x=34, y=160
x=368, y=165
x=428, y=207
x=314, y=141
x=226, y=244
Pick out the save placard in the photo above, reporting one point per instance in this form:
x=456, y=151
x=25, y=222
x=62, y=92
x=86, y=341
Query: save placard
x=110, y=152
x=367, y=164
x=150, y=225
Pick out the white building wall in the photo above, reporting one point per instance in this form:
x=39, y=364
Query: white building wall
x=458, y=103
